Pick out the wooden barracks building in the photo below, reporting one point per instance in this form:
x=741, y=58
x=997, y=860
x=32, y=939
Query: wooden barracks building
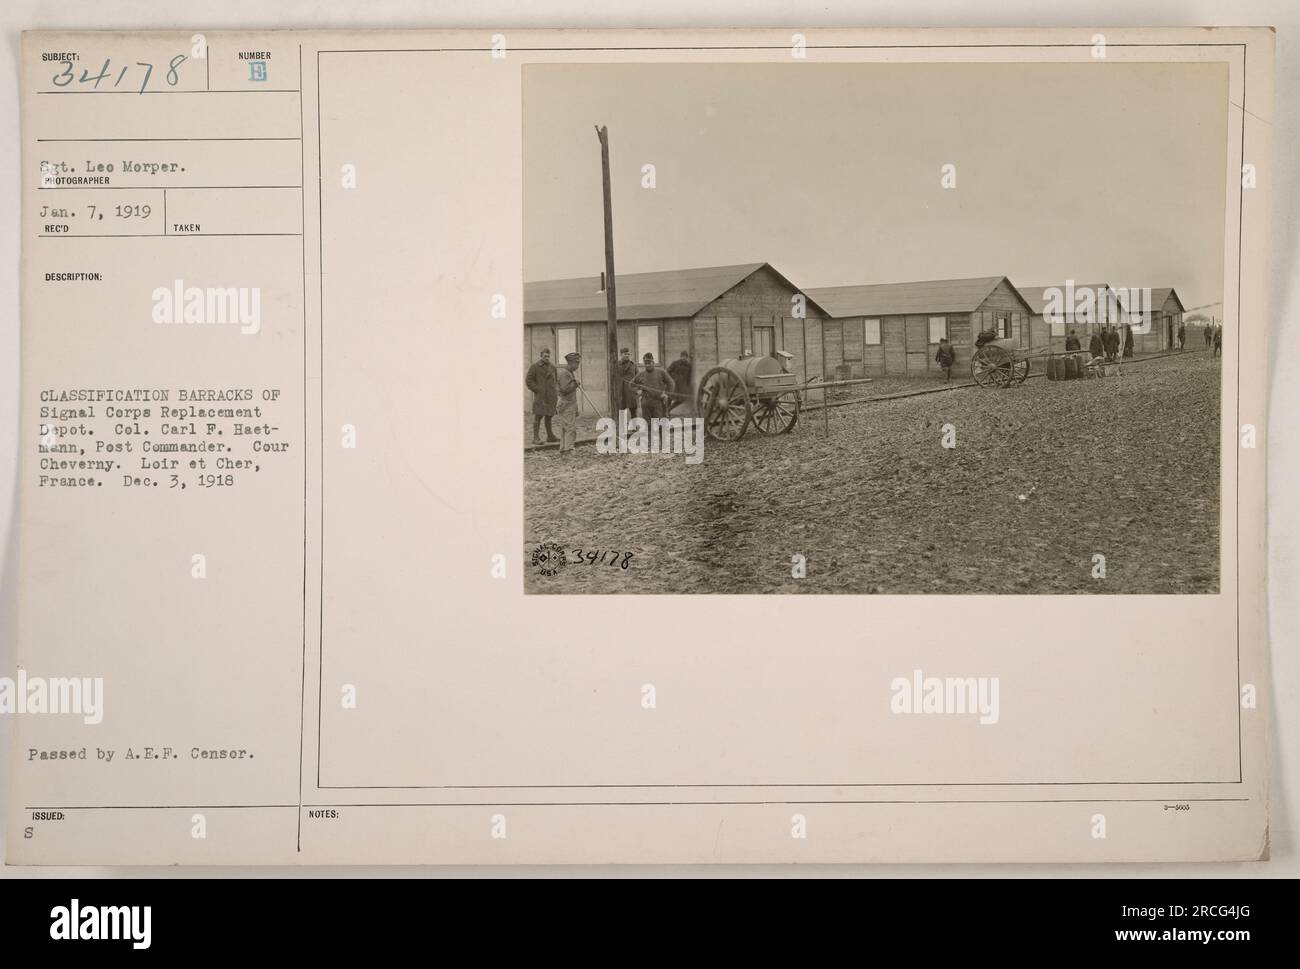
x=894, y=328
x=1165, y=315
x=713, y=313
x=719, y=312
x=1057, y=330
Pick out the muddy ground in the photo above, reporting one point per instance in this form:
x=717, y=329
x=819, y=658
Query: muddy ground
x=1044, y=476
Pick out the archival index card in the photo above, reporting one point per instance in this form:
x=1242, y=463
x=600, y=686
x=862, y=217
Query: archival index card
x=715, y=446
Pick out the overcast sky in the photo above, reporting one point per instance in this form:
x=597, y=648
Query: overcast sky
x=1094, y=172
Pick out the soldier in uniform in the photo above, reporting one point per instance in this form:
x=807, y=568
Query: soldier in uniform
x=680, y=371
x=567, y=386
x=1112, y=344
x=945, y=357
x=626, y=393
x=541, y=381
x=1095, y=346
x=655, y=386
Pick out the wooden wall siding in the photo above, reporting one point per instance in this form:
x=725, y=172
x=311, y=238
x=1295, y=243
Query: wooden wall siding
x=917, y=333
x=1004, y=299
x=873, y=360
x=792, y=330
x=1041, y=325
x=594, y=372
x=1171, y=310
x=1041, y=332
x=812, y=341
x=706, y=345
x=676, y=338
x=627, y=337
x=963, y=342
x=540, y=338
x=853, y=348
x=892, y=338
x=762, y=294
x=764, y=299
x=1158, y=338
x=832, y=346
x=864, y=360
x=1148, y=342
x=1058, y=342
x=728, y=337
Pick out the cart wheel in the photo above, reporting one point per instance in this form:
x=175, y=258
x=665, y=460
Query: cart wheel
x=1019, y=371
x=777, y=415
x=991, y=366
x=724, y=404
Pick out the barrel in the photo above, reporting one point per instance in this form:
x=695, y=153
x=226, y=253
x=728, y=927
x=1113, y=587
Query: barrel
x=749, y=369
x=1072, y=367
x=1051, y=368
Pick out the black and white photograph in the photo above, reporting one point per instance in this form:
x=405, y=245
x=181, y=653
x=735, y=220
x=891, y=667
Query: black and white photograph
x=886, y=493
x=873, y=328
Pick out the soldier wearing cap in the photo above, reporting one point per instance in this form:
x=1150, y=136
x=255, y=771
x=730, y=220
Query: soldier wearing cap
x=680, y=371
x=655, y=386
x=567, y=387
x=625, y=394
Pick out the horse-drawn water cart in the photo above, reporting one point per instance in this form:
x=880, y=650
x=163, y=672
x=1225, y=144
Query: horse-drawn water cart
x=761, y=391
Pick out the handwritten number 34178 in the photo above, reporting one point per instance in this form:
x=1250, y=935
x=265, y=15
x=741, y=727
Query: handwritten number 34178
x=66, y=76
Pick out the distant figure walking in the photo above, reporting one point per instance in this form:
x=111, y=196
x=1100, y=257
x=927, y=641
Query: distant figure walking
x=1218, y=340
x=1182, y=336
x=1208, y=332
x=945, y=357
x=1128, y=341
x=1112, y=344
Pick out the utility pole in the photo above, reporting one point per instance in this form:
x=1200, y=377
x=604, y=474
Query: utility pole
x=611, y=297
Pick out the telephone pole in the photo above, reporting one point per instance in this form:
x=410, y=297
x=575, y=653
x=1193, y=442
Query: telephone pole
x=611, y=297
